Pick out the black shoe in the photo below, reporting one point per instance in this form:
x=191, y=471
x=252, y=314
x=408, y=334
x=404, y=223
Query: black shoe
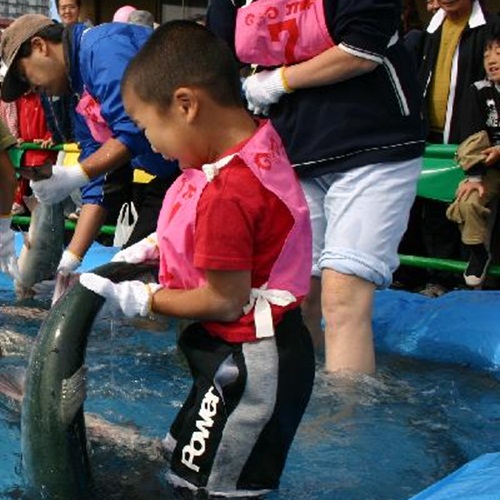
x=479, y=261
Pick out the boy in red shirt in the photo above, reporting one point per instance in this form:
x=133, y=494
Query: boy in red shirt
x=234, y=247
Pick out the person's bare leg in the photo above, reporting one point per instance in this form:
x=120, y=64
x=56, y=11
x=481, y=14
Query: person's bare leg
x=347, y=303
x=311, y=312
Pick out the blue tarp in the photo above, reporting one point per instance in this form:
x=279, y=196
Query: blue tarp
x=477, y=480
x=459, y=327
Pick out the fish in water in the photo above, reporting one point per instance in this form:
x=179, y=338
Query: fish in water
x=43, y=247
x=126, y=463
x=52, y=419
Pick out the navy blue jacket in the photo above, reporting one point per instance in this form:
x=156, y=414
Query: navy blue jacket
x=368, y=119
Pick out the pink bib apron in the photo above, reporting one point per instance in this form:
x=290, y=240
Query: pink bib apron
x=289, y=278
x=277, y=32
x=90, y=109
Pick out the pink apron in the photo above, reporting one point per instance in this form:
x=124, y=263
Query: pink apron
x=289, y=278
x=90, y=109
x=277, y=32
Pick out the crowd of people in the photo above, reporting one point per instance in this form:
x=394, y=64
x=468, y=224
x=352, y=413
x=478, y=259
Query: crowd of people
x=285, y=145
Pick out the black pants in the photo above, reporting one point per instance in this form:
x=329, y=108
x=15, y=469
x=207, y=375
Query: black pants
x=234, y=431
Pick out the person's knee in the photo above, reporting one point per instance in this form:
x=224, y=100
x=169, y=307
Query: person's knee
x=346, y=298
x=471, y=207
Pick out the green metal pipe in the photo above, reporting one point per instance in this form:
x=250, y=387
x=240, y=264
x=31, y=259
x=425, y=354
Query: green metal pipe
x=456, y=266
x=24, y=220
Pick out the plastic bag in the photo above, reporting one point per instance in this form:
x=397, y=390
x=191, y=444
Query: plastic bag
x=127, y=219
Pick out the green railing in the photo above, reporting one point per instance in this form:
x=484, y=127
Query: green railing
x=439, y=180
x=16, y=153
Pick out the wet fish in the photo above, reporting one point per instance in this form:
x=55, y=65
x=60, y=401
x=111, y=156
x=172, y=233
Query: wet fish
x=126, y=438
x=52, y=419
x=43, y=247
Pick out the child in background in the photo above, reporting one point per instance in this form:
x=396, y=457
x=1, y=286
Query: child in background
x=33, y=127
x=470, y=210
x=234, y=246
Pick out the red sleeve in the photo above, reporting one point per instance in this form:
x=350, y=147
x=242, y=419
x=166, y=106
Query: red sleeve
x=227, y=219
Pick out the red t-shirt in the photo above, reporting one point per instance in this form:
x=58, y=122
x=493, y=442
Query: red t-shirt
x=240, y=226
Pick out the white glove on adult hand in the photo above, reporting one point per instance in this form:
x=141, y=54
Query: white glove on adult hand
x=60, y=184
x=68, y=263
x=132, y=298
x=54, y=288
x=265, y=88
x=8, y=261
x=146, y=249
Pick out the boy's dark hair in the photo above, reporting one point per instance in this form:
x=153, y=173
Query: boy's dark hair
x=52, y=33
x=183, y=53
x=492, y=35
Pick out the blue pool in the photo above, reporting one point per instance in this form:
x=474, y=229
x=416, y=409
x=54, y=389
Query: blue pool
x=382, y=438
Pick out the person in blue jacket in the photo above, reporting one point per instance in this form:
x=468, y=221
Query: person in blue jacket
x=88, y=63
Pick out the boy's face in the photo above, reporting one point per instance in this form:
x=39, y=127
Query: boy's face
x=492, y=62
x=167, y=130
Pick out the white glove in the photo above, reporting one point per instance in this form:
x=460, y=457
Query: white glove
x=8, y=261
x=132, y=298
x=54, y=288
x=146, y=249
x=68, y=263
x=265, y=88
x=60, y=184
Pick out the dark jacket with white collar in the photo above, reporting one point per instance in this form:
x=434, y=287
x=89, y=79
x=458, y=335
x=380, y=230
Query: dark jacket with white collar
x=372, y=118
x=467, y=66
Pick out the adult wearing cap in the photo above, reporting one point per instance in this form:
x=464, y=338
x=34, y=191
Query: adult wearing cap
x=8, y=263
x=88, y=63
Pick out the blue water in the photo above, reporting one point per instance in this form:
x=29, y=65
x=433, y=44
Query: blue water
x=381, y=438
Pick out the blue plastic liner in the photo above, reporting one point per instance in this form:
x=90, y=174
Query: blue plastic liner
x=459, y=327
x=479, y=479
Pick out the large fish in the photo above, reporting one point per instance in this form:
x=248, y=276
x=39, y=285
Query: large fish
x=42, y=249
x=53, y=433
x=140, y=458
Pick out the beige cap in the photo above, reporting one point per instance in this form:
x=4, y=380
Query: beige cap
x=21, y=30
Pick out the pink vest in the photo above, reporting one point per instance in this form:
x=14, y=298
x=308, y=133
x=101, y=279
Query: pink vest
x=277, y=32
x=90, y=109
x=289, y=278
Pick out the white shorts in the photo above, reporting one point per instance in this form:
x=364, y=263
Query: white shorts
x=359, y=217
